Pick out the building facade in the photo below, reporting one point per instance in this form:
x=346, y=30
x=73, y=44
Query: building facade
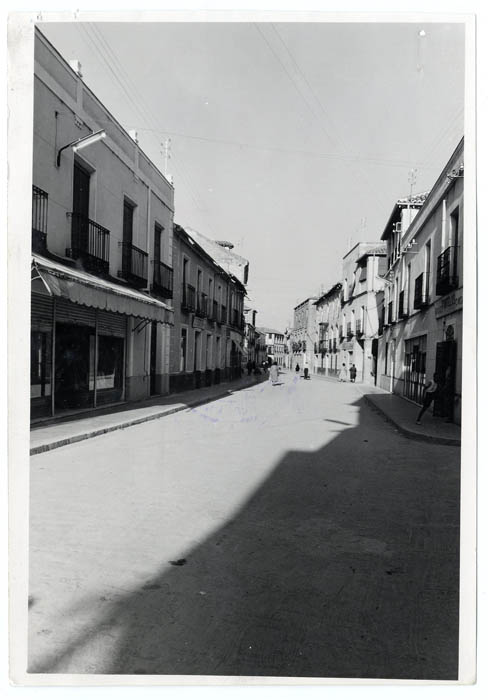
x=303, y=334
x=102, y=278
x=275, y=346
x=328, y=319
x=207, y=342
x=422, y=312
x=362, y=268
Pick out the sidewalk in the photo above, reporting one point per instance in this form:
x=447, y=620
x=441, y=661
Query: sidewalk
x=403, y=414
x=52, y=434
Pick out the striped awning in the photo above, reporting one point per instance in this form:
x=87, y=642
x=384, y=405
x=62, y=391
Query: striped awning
x=82, y=288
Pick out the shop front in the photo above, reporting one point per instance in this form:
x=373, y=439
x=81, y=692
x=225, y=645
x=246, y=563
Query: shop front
x=78, y=350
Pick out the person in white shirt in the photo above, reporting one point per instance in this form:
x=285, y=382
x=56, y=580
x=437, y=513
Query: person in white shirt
x=430, y=393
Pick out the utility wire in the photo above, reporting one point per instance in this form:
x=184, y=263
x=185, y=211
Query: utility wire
x=109, y=57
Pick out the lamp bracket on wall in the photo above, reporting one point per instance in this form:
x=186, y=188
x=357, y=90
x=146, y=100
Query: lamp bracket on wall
x=78, y=144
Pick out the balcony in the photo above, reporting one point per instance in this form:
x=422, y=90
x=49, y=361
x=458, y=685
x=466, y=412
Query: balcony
x=134, y=265
x=201, y=311
x=213, y=312
x=421, y=291
x=90, y=243
x=359, y=329
x=188, y=300
x=350, y=331
x=39, y=220
x=162, y=280
x=447, y=279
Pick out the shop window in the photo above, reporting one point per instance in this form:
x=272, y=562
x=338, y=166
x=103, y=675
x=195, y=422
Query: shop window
x=40, y=365
x=110, y=369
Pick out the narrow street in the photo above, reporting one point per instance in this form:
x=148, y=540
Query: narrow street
x=281, y=531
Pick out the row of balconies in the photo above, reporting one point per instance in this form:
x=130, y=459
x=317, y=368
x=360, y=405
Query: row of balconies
x=203, y=306
x=90, y=243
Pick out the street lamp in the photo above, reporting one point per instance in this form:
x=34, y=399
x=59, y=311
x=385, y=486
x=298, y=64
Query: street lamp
x=81, y=143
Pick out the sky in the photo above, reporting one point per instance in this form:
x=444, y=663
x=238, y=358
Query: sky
x=292, y=140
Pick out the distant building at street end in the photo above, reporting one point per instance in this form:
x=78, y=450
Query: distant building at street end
x=423, y=297
x=362, y=270
x=207, y=343
x=261, y=352
x=328, y=319
x=249, y=358
x=303, y=333
x=275, y=345
x=102, y=229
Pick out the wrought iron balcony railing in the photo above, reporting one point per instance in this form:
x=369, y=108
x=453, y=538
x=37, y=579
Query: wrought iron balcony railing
x=188, y=300
x=421, y=291
x=447, y=278
x=163, y=279
x=90, y=243
x=39, y=220
x=134, y=265
x=201, y=310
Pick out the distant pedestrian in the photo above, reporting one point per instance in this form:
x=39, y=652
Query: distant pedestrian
x=297, y=368
x=352, y=372
x=305, y=368
x=249, y=367
x=430, y=393
x=343, y=373
x=273, y=373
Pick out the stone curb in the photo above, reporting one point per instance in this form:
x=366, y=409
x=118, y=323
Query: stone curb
x=134, y=421
x=412, y=434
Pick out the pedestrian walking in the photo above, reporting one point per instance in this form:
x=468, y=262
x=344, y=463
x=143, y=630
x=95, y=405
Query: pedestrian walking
x=343, y=373
x=353, y=372
x=273, y=373
x=297, y=368
x=249, y=367
x=305, y=368
x=430, y=392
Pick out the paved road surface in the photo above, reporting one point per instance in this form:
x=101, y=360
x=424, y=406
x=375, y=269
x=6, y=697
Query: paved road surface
x=281, y=531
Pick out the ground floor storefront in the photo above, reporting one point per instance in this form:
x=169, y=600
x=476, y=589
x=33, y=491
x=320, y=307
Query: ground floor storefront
x=429, y=343
x=86, y=356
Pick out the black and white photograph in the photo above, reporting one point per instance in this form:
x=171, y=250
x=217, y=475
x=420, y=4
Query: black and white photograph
x=243, y=254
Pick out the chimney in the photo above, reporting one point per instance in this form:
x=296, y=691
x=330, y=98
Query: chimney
x=76, y=66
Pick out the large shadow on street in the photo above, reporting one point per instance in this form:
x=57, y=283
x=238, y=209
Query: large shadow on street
x=339, y=566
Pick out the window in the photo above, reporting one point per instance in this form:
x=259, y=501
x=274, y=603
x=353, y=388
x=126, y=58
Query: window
x=454, y=238
x=40, y=365
x=186, y=267
x=128, y=222
x=183, y=349
x=386, y=358
x=158, y=230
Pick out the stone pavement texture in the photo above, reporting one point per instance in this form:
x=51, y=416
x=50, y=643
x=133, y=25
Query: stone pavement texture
x=52, y=434
x=280, y=531
x=401, y=413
